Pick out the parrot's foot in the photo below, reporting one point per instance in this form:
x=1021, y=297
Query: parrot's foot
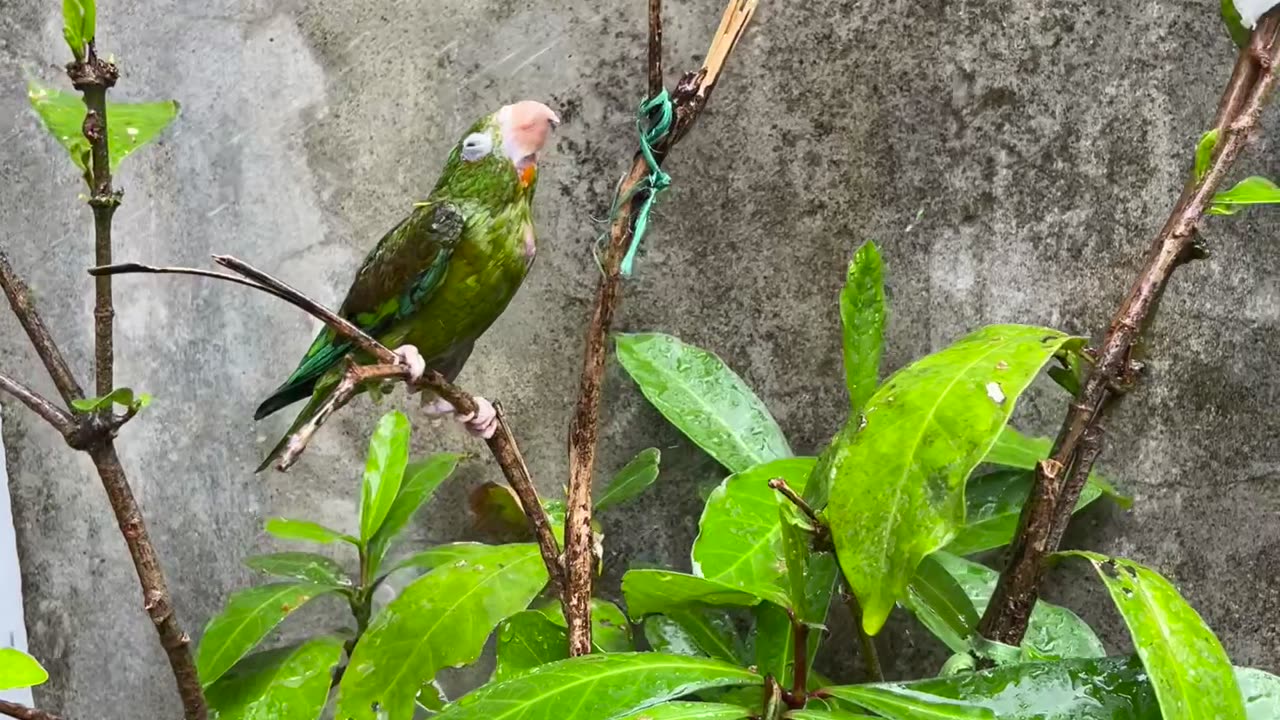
x=482, y=423
x=410, y=357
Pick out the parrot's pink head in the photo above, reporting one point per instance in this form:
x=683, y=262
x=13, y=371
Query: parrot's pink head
x=526, y=126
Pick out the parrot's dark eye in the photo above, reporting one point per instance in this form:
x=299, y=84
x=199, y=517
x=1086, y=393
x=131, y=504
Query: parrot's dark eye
x=476, y=146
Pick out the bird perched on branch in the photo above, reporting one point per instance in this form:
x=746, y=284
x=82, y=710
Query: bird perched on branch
x=440, y=277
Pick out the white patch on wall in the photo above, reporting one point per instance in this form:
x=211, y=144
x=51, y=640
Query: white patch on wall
x=1251, y=10
x=13, y=630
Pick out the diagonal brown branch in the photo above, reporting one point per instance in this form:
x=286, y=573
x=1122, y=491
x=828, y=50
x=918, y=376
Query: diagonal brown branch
x=22, y=712
x=689, y=98
x=41, y=339
x=1060, y=478
x=60, y=419
x=502, y=445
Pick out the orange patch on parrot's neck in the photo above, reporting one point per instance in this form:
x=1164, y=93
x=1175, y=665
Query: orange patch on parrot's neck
x=528, y=174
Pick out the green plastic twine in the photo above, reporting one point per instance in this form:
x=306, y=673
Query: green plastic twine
x=657, y=180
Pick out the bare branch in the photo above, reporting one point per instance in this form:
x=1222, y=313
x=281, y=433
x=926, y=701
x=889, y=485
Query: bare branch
x=1061, y=477
x=60, y=419
x=22, y=712
x=689, y=97
x=41, y=339
x=781, y=486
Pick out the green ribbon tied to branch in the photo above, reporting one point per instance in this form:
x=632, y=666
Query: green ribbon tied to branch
x=653, y=121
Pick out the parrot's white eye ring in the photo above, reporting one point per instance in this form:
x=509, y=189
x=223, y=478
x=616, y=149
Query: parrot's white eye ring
x=476, y=146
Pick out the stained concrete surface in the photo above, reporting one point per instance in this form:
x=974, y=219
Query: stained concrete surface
x=1012, y=157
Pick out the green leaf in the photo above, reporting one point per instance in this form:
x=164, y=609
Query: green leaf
x=993, y=506
x=610, y=631
x=739, y=541
x=1235, y=26
x=78, y=25
x=658, y=591
x=307, y=567
x=684, y=710
x=440, y=620
x=120, y=396
x=250, y=614
x=896, y=704
x=825, y=715
x=702, y=397
x=432, y=558
x=1188, y=667
x=896, y=474
x=383, y=471
x=695, y=631
x=305, y=531
x=1079, y=689
x=862, y=315
x=420, y=481
x=1250, y=191
x=1013, y=449
x=1261, y=692
x=290, y=683
x=774, y=643
x=593, y=687
x=19, y=670
x=1053, y=631
x=129, y=125
x=1204, y=150
x=525, y=641
x=936, y=598
x=631, y=480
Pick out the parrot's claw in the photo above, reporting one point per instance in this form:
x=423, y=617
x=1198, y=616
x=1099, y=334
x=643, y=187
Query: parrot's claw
x=482, y=423
x=410, y=357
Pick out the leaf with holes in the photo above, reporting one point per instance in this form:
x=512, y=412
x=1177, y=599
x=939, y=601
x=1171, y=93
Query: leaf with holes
x=20, y=670
x=658, y=591
x=702, y=397
x=592, y=687
x=129, y=125
x=291, y=683
x=634, y=478
x=307, y=567
x=862, y=317
x=896, y=474
x=440, y=620
x=1188, y=667
x=250, y=614
x=739, y=541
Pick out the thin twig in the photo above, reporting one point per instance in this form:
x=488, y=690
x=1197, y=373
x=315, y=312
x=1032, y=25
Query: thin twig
x=867, y=643
x=689, y=97
x=1061, y=477
x=781, y=486
x=22, y=712
x=502, y=445
x=655, y=48
x=60, y=419
x=41, y=339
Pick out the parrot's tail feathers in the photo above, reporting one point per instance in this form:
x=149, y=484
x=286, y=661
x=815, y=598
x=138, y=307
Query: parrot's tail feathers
x=284, y=396
x=307, y=413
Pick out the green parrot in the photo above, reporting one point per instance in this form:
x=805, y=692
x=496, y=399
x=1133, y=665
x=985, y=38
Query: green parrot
x=440, y=277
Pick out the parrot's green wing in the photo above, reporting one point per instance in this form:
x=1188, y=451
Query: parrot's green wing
x=397, y=277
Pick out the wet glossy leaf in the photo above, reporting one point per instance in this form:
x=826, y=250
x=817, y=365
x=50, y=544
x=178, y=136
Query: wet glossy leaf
x=610, y=631
x=901, y=704
x=825, y=715
x=129, y=125
x=431, y=697
x=434, y=557
x=307, y=567
x=684, y=710
x=1053, y=631
x=383, y=471
x=250, y=614
x=1015, y=450
x=123, y=397
x=896, y=474
x=862, y=316
x=658, y=591
x=420, y=481
x=993, y=506
x=1188, y=667
x=290, y=683
x=1261, y=692
x=775, y=633
x=695, y=631
x=702, y=397
x=634, y=478
x=739, y=541
x=19, y=670
x=1204, y=151
x=1235, y=28
x=597, y=686
x=938, y=601
x=305, y=531
x=525, y=641
x=440, y=620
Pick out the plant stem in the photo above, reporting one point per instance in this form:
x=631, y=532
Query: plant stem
x=781, y=486
x=689, y=98
x=42, y=341
x=60, y=419
x=800, y=673
x=867, y=643
x=22, y=712
x=1060, y=478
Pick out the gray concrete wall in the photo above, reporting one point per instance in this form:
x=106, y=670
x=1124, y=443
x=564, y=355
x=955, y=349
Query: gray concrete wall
x=1013, y=157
